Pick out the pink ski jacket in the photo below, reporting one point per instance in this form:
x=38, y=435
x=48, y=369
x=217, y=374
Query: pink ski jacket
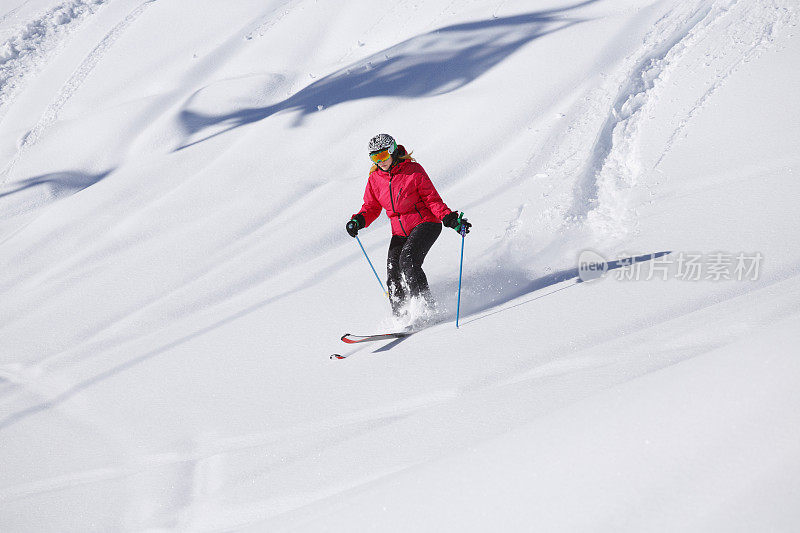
x=407, y=194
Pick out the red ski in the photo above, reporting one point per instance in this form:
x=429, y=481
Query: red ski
x=353, y=339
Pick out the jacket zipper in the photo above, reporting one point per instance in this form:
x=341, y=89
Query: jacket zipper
x=420, y=214
x=391, y=198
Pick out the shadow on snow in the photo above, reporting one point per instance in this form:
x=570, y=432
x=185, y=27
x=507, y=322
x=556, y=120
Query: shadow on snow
x=434, y=63
x=504, y=294
x=59, y=184
x=547, y=281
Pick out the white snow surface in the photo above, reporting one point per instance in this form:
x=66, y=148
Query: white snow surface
x=174, y=270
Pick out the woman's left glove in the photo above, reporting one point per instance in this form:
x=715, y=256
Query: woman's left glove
x=355, y=224
x=456, y=221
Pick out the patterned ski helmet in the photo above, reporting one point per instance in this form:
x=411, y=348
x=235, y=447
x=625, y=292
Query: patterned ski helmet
x=382, y=141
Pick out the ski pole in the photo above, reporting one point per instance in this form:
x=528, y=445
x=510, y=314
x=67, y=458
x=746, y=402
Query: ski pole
x=460, y=267
x=385, y=292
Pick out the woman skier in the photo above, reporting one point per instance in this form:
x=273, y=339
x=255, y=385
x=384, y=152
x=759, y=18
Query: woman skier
x=398, y=184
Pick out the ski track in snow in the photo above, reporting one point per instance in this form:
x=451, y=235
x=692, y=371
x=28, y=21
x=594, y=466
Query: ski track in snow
x=602, y=194
x=750, y=29
x=69, y=88
x=25, y=53
x=11, y=13
x=271, y=19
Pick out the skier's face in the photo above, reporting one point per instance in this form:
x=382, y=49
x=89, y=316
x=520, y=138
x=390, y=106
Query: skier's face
x=384, y=165
x=382, y=158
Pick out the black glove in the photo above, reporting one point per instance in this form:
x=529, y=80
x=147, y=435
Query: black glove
x=355, y=224
x=452, y=220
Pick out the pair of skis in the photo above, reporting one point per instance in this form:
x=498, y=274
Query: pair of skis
x=349, y=338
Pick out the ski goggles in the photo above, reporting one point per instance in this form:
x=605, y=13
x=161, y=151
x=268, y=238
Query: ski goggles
x=381, y=156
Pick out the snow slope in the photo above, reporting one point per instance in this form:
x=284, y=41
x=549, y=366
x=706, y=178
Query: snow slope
x=175, y=181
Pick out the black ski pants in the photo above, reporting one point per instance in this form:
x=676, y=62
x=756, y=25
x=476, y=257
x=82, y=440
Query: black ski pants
x=404, y=263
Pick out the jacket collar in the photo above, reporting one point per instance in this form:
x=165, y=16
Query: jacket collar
x=393, y=169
